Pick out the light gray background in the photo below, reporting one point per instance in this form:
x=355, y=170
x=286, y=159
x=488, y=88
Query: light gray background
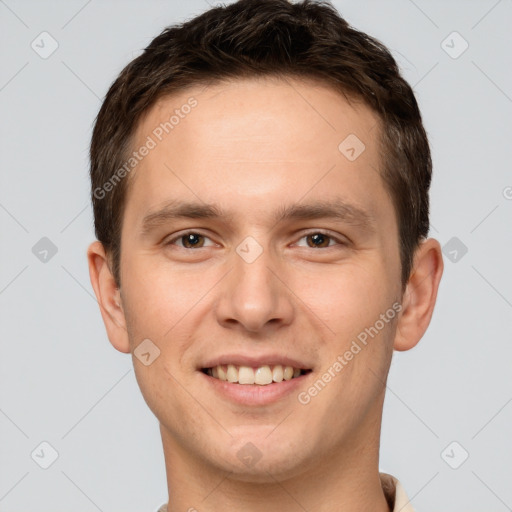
x=62, y=382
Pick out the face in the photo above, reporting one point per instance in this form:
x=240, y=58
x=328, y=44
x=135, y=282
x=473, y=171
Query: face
x=252, y=238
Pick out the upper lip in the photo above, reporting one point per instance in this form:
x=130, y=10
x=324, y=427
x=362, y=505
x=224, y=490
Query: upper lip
x=253, y=361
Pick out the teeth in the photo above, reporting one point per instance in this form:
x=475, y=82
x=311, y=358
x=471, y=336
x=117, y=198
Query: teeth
x=222, y=373
x=277, y=373
x=262, y=375
x=245, y=375
x=232, y=373
x=288, y=373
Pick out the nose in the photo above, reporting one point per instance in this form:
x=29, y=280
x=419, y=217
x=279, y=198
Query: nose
x=252, y=296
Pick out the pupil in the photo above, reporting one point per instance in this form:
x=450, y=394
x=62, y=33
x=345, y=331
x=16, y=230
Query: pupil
x=318, y=239
x=192, y=239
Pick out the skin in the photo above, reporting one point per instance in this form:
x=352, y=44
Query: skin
x=251, y=146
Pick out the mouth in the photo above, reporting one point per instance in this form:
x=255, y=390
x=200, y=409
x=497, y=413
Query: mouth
x=264, y=375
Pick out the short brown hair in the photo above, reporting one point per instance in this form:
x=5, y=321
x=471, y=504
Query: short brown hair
x=278, y=38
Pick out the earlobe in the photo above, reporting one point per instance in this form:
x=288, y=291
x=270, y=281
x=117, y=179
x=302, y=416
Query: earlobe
x=420, y=295
x=108, y=297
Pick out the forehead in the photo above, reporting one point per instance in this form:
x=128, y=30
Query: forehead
x=255, y=138
x=254, y=110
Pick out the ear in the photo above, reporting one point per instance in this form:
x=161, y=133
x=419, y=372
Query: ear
x=420, y=295
x=108, y=296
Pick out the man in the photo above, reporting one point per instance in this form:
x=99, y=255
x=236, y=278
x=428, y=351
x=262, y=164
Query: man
x=260, y=181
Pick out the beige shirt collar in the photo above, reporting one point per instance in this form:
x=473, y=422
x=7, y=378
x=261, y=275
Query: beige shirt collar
x=395, y=494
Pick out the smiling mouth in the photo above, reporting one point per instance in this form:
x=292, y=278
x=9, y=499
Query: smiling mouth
x=262, y=375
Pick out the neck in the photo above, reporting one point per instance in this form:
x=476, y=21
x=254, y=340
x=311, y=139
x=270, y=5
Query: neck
x=348, y=480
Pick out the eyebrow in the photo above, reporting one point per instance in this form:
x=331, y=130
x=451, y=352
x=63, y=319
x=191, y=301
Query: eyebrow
x=337, y=209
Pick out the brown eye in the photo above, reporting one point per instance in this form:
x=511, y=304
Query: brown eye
x=318, y=240
x=192, y=240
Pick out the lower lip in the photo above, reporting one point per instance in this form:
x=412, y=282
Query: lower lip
x=254, y=394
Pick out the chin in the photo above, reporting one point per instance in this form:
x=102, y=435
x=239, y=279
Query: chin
x=267, y=471
x=263, y=456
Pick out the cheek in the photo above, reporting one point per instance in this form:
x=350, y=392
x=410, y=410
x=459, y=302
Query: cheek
x=159, y=297
x=165, y=393
x=350, y=303
x=348, y=296
x=164, y=306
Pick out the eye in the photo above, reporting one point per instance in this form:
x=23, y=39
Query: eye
x=189, y=240
x=320, y=240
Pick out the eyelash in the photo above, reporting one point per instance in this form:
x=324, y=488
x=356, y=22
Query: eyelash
x=316, y=232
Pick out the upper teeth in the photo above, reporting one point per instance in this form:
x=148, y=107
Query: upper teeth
x=247, y=375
